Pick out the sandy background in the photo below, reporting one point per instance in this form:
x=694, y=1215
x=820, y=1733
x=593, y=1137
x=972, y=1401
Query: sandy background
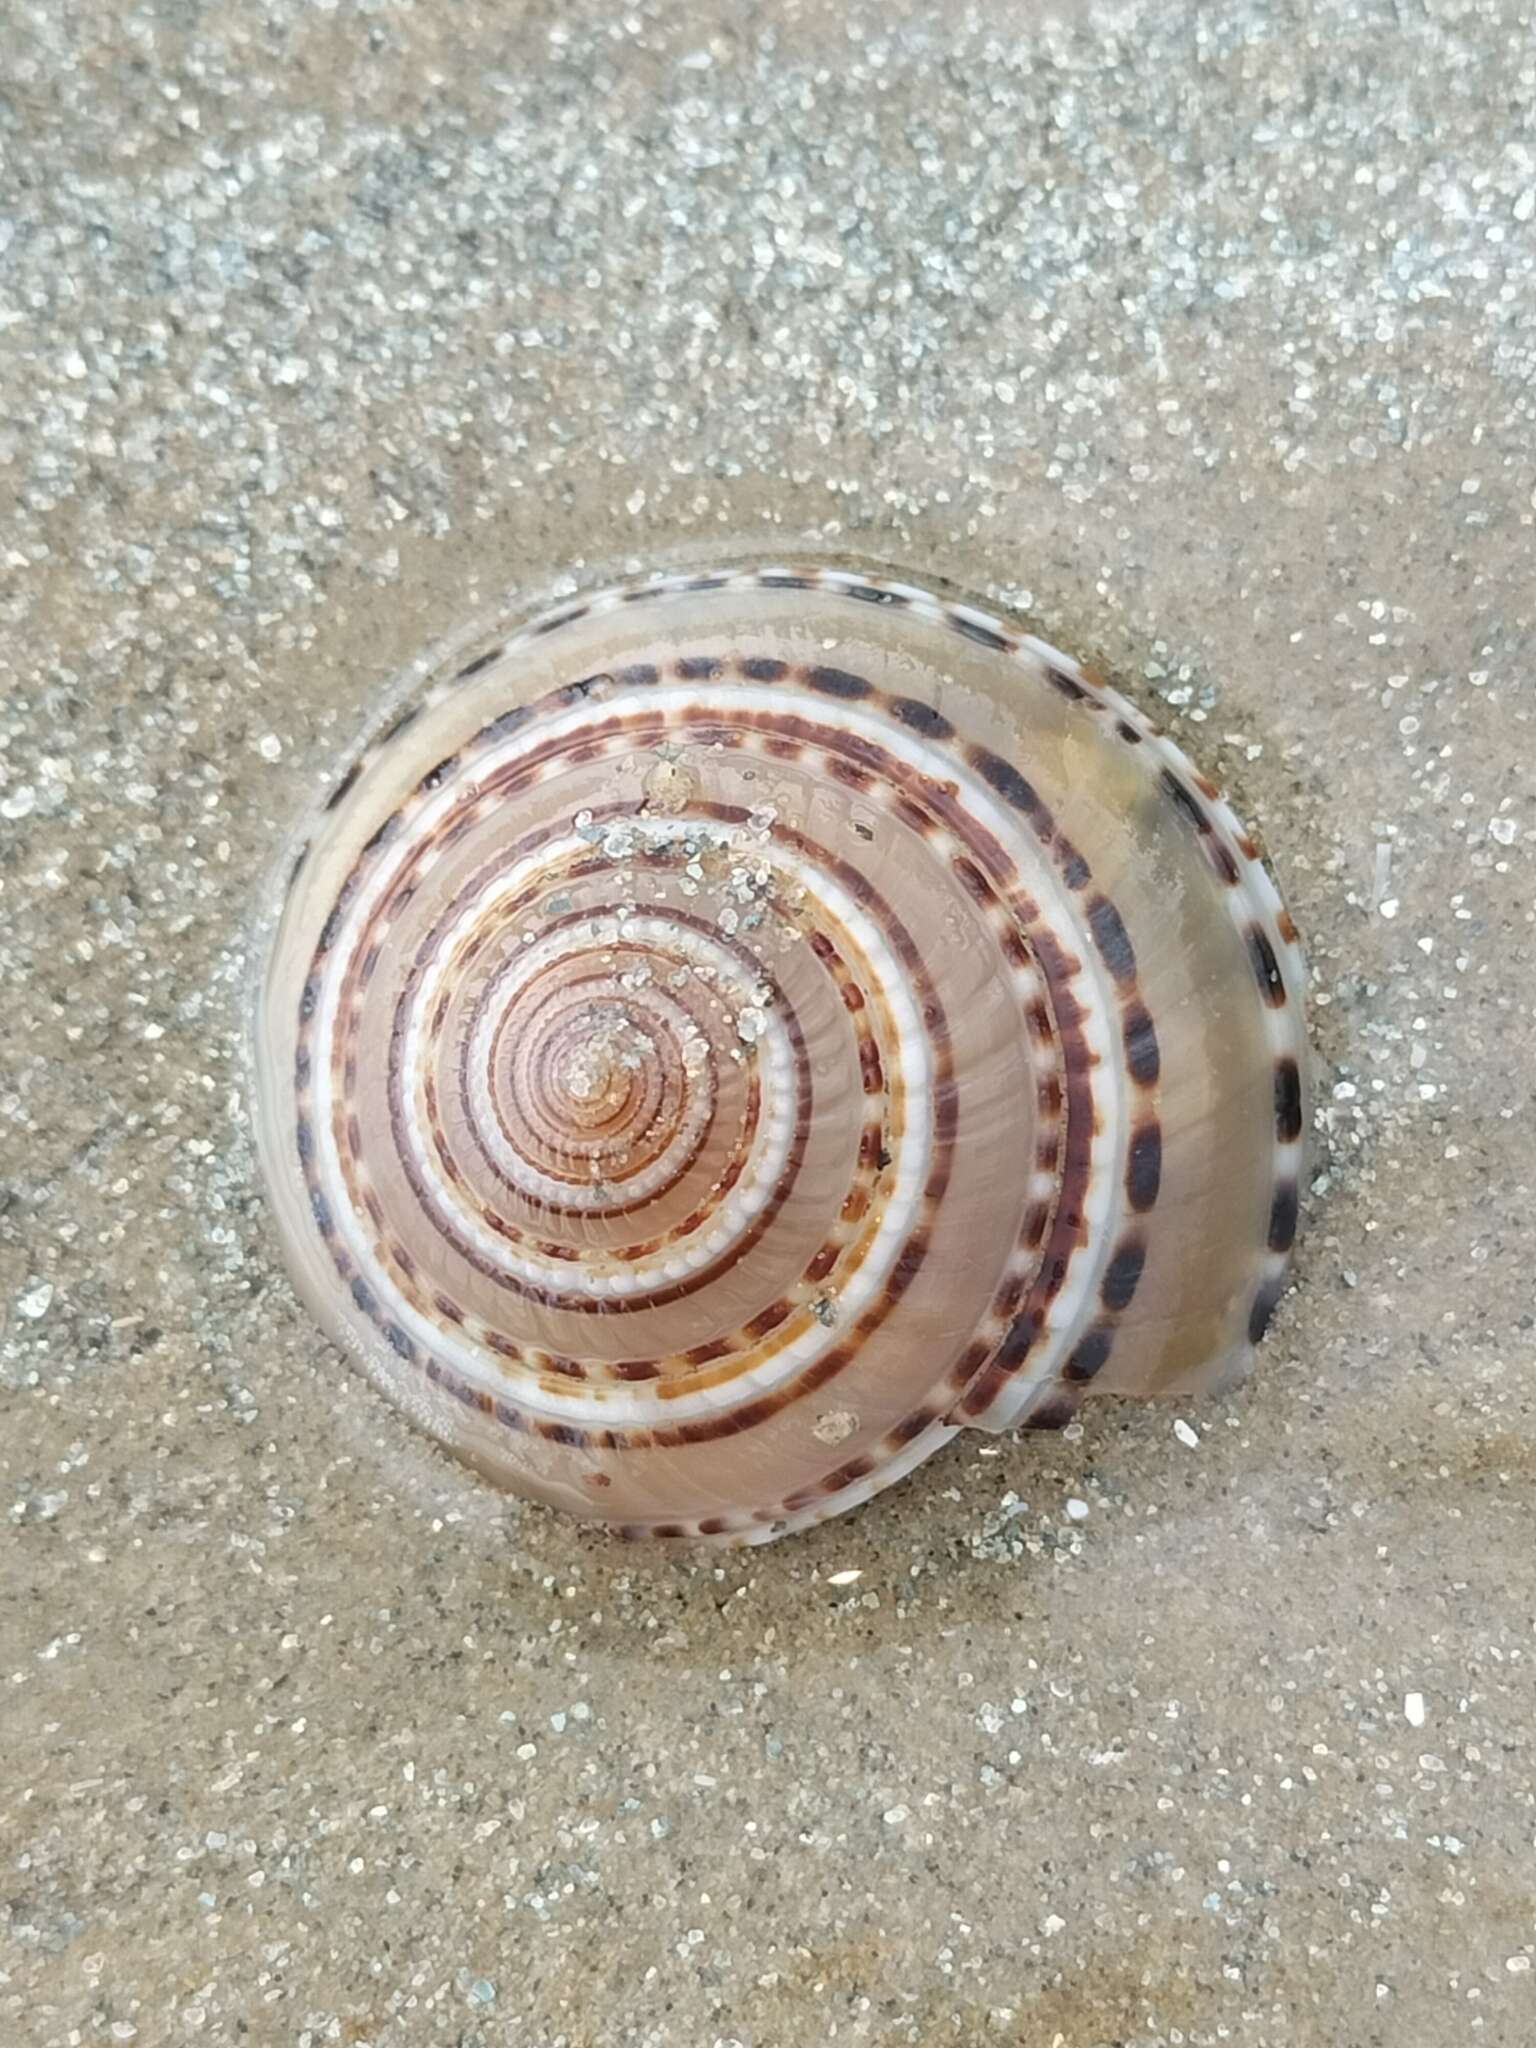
x=1207, y=338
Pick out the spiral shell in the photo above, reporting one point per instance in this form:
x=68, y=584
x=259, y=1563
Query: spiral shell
x=740, y=1028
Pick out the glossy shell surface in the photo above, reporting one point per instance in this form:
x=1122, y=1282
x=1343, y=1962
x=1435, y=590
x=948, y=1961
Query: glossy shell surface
x=728, y=1032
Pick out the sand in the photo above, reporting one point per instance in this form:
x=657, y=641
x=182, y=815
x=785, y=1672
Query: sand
x=1206, y=339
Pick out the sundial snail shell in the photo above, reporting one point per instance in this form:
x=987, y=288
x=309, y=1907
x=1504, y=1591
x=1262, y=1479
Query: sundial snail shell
x=740, y=1028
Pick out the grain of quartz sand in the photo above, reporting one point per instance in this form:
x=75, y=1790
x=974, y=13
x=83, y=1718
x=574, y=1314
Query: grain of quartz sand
x=1204, y=337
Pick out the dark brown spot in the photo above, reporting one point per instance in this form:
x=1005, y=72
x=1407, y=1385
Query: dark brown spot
x=1052, y=1414
x=763, y=668
x=908, y=1261
x=559, y=619
x=1144, y=1165
x=784, y=582
x=922, y=717
x=407, y=718
x=1282, y=1217
x=481, y=661
x=1264, y=1304
x=1005, y=779
x=1287, y=1100
x=509, y=722
x=1053, y=1274
x=971, y=879
x=1007, y=1298
x=398, y=1340
x=910, y=1426
x=1069, y=687
x=343, y=786
x=1075, y=871
x=768, y=1318
x=1140, y=1040
x=1287, y=925
x=640, y=675
x=1089, y=1356
x=848, y=1475
x=698, y=668
x=582, y=688
x=836, y=682
x=868, y=594
x=1016, y=1346
x=969, y=1363
x=564, y=1433
x=1266, y=966
x=1124, y=1274
x=1112, y=939
x=1128, y=733
x=1222, y=861
x=1184, y=802
x=984, y=636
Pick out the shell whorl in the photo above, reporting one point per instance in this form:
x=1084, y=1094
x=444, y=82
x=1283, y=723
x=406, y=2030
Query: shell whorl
x=740, y=1028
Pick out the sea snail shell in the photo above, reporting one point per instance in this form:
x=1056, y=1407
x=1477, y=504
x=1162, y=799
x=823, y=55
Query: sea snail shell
x=743, y=1027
